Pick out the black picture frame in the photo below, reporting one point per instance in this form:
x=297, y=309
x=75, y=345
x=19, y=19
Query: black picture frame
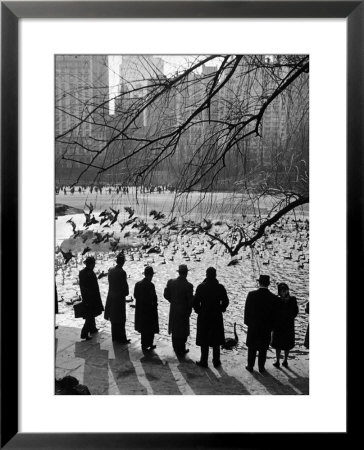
x=11, y=12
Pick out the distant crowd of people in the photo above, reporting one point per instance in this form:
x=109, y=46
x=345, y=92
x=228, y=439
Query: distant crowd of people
x=118, y=189
x=269, y=318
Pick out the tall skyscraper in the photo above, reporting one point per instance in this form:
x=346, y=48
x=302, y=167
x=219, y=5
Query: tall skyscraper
x=135, y=71
x=81, y=104
x=82, y=83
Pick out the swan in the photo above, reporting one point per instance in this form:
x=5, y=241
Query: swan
x=231, y=342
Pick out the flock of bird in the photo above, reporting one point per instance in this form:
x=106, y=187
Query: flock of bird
x=163, y=240
x=285, y=240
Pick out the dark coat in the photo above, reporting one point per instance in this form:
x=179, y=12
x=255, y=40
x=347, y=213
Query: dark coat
x=118, y=290
x=179, y=293
x=306, y=342
x=209, y=303
x=146, y=307
x=56, y=300
x=90, y=293
x=283, y=337
x=259, y=315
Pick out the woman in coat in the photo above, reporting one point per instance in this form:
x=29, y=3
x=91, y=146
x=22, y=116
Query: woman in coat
x=115, y=301
x=146, y=309
x=209, y=303
x=283, y=337
x=91, y=297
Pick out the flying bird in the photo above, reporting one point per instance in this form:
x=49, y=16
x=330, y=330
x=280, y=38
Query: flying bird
x=157, y=215
x=99, y=238
x=168, y=224
x=90, y=207
x=73, y=225
x=93, y=220
x=103, y=213
x=108, y=236
x=84, y=237
x=128, y=222
x=114, y=215
x=212, y=244
x=103, y=220
x=67, y=256
x=114, y=245
x=130, y=211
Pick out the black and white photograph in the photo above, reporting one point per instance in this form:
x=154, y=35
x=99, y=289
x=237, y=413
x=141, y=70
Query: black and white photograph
x=182, y=227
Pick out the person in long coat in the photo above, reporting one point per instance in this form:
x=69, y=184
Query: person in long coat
x=115, y=310
x=56, y=302
x=283, y=336
x=259, y=315
x=146, y=309
x=91, y=297
x=179, y=293
x=209, y=302
x=306, y=342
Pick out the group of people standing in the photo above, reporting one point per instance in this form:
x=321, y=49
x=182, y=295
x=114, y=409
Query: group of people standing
x=269, y=317
x=270, y=321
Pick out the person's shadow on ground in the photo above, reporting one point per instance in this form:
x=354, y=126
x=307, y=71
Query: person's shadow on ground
x=124, y=372
x=95, y=374
x=272, y=384
x=205, y=382
x=298, y=381
x=230, y=385
x=159, y=375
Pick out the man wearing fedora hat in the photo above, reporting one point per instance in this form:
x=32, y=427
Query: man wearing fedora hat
x=146, y=309
x=179, y=293
x=91, y=297
x=115, y=302
x=259, y=313
x=210, y=302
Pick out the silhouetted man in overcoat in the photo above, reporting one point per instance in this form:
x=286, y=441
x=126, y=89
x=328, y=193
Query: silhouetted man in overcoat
x=209, y=303
x=91, y=297
x=115, y=310
x=146, y=309
x=179, y=293
x=259, y=315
